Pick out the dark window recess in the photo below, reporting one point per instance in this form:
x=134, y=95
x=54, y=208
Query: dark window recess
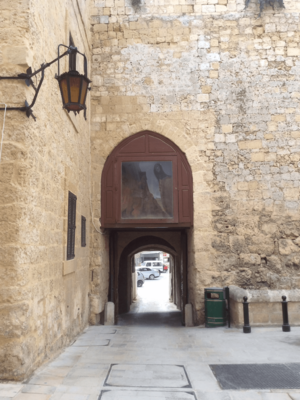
x=71, y=226
x=72, y=57
x=83, y=231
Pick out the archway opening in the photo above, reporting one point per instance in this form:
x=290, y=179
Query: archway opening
x=152, y=282
x=161, y=298
x=152, y=292
x=146, y=202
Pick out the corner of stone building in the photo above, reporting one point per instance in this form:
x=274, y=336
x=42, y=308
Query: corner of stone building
x=44, y=303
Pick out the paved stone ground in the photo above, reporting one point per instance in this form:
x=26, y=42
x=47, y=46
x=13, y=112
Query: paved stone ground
x=158, y=360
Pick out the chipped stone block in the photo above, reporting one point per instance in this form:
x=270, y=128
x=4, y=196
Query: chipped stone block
x=250, y=144
x=227, y=128
x=261, y=245
x=203, y=44
x=221, y=8
x=220, y=138
x=242, y=186
x=202, y=98
x=208, y=9
x=249, y=260
x=286, y=247
x=258, y=157
x=293, y=51
x=213, y=74
x=237, y=244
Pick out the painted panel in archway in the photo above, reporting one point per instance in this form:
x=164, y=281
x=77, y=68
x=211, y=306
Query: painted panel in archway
x=147, y=190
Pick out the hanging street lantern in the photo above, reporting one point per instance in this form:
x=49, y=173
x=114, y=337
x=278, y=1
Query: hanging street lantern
x=73, y=85
x=73, y=88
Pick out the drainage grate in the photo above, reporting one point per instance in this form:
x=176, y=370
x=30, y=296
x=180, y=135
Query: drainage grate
x=257, y=376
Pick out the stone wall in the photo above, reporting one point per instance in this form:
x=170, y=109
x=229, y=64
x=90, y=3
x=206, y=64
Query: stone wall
x=218, y=81
x=265, y=307
x=43, y=298
x=224, y=86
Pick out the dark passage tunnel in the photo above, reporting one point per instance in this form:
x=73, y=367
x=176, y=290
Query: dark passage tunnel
x=126, y=268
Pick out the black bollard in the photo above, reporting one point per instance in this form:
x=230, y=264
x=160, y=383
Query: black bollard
x=286, y=326
x=246, y=327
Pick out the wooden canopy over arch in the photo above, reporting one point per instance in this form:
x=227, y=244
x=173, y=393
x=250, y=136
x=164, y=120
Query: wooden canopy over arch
x=146, y=182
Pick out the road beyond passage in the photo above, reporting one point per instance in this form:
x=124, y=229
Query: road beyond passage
x=152, y=306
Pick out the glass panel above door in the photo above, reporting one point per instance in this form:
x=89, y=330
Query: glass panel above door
x=147, y=190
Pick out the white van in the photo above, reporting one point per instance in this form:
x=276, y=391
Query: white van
x=157, y=265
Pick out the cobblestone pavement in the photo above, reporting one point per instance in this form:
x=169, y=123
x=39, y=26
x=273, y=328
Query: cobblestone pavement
x=158, y=360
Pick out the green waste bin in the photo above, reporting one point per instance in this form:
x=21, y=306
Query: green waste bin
x=215, y=307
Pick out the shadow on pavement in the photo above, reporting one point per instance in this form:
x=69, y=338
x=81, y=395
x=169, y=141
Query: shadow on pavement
x=154, y=319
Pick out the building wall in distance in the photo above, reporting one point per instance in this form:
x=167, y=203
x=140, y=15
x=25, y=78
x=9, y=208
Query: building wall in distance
x=44, y=300
x=224, y=86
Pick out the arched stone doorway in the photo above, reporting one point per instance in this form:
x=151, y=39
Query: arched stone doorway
x=126, y=266
x=146, y=201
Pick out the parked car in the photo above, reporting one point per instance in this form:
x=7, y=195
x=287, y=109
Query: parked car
x=157, y=265
x=140, y=279
x=149, y=273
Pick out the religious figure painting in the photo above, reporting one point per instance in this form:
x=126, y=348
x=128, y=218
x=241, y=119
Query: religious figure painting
x=147, y=190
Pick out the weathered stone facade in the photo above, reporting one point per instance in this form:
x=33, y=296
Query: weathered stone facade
x=224, y=86
x=265, y=306
x=44, y=300
x=220, y=83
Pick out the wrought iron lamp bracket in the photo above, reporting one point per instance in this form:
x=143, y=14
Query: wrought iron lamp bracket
x=27, y=77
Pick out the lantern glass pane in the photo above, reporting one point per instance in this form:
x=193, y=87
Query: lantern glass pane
x=64, y=90
x=83, y=91
x=75, y=88
x=73, y=107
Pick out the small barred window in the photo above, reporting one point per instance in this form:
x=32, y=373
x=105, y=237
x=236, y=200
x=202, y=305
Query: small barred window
x=83, y=231
x=71, y=226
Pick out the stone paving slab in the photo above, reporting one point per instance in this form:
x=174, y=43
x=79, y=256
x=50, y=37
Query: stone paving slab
x=216, y=395
x=295, y=396
x=38, y=389
x=252, y=395
x=86, y=342
x=9, y=390
x=79, y=373
x=44, y=379
x=92, y=390
x=32, y=396
x=104, y=331
x=5, y=398
x=67, y=396
x=145, y=395
x=144, y=375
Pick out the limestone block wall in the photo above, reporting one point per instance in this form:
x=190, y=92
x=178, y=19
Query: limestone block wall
x=44, y=300
x=116, y=9
x=224, y=86
x=265, y=308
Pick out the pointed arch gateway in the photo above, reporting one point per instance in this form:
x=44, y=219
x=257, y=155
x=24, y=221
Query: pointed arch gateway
x=146, y=182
